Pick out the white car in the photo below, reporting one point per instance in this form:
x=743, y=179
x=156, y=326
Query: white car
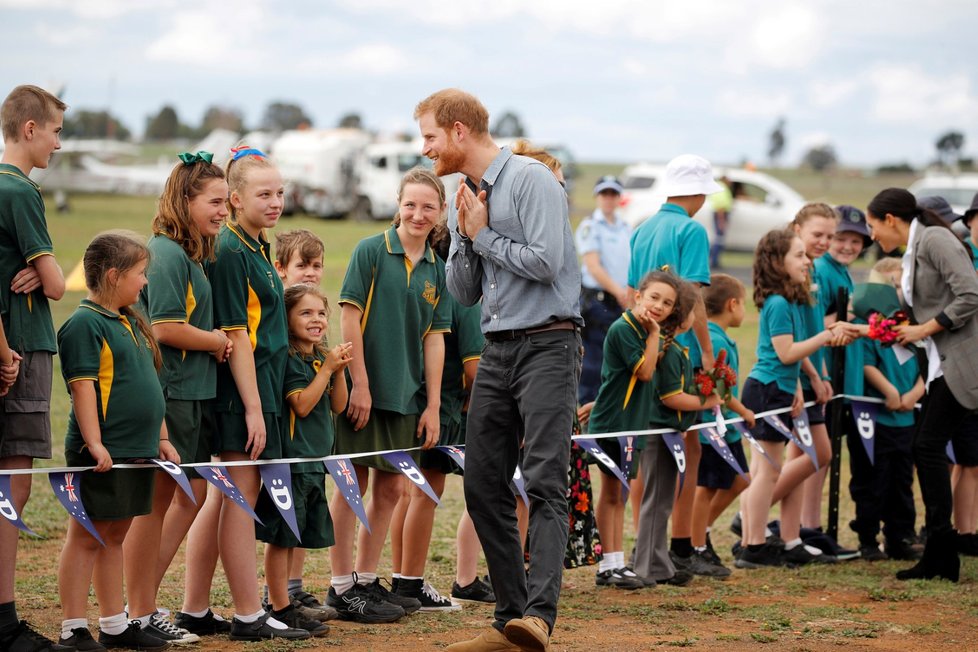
x=958, y=190
x=761, y=203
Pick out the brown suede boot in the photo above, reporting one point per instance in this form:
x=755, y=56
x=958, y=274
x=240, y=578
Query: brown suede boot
x=491, y=640
x=530, y=633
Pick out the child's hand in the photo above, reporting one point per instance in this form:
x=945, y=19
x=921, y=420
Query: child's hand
x=712, y=401
x=584, y=414
x=103, y=461
x=908, y=402
x=168, y=453
x=823, y=391
x=797, y=404
x=255, y=423
x=222, y=351
x=26, y=280
x=893, y=400
x=9, y=372
x=358, y=409
x=749, y=418
x=338, y=357
x=429, y=428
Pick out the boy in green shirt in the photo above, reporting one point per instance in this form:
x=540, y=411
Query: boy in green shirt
x=32, y=120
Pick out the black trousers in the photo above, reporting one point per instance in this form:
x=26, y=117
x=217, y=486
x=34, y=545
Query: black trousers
x=525, y=389
x=942, y=415
x=598, y=317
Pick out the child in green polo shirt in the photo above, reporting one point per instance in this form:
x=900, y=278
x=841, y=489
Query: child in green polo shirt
x=109, y=360
x=631, y=352
x=314, y=390
x=29, y=276
x=393, y=313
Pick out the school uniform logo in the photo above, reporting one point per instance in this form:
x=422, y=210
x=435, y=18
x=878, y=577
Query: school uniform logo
x=430, y=293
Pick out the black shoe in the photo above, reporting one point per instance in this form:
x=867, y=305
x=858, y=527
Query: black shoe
x=81, y=640
x=800, y=555
x=260, y=630
x=359, y=604
x=409, y=605
x=310, y=607
x=206, y=625
x=939, y=561
x=616, y=579
x=968, y=544
x=681, y=578
x=902, y=550
x=427, y=595
x=681, y=563
x=477, y=591
x=872, y=552
x=701, y=564
x=294, y=619
x=132, y=638
x=24, y=638
x=737, y=525
x=711, y=554
x=767, y=555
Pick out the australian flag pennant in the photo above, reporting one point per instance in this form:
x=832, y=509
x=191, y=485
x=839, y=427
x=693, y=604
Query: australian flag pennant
x=218, y=476
x=723, y=450
x=457, y=453
x=950, y=453
x=677, y=447
x=346, y=481
x=277, y=479
x=7, y=509
x=627, y=445
x=754, y=444
x=67, y=488
x=404, y=463
x=864, y=414
x=178, y=476
x=592, y=447
x=520, y=485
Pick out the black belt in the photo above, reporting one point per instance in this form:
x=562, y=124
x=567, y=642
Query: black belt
x=515, y=334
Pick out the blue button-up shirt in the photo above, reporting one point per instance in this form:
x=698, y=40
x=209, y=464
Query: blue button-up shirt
x=522, y=265
x=611, y=240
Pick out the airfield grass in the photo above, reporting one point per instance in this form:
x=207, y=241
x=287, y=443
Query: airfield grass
x=856, y=605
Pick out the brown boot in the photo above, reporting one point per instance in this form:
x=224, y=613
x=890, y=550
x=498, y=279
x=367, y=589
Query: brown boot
x=491, y=640
x=530, y=633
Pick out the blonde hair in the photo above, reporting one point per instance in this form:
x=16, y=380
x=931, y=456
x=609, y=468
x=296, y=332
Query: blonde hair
x=524, y=148
x=236, y=171
x=26, y=103
x=121, y=251
x=882, y=268
x=293, y=295
x=452, y=105
x=422, y=177
x=302, y=241
x=173, y=210
x=814, y=209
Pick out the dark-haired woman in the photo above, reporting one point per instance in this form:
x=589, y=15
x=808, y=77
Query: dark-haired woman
x=940, y=292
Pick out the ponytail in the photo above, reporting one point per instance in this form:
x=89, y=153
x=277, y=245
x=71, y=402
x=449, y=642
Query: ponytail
x=147, y=332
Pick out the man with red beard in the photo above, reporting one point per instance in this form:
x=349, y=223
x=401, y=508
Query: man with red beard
x=512, y=248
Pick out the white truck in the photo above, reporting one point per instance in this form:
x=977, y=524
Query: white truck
x=380, y=167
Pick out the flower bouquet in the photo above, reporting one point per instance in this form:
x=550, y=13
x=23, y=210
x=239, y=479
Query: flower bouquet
x=883, y=328
x=720, y=381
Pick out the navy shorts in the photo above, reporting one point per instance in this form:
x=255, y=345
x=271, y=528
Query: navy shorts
x=816, y=413
x=759, y=397
x=714, y=472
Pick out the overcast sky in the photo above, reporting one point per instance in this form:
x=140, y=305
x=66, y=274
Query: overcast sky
x=616, y=80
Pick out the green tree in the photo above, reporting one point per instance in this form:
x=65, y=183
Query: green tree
x=351, y=120
x=508, y=125
x=85, y=123
x=949, y=146
x=222, y=117
x=165, y=125
x=280, y=116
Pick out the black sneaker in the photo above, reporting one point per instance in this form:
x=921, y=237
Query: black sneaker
x=24, y=638
x=767, y=555
x=701, y=564
x=477, y=591
x=426, y=594
x=132, y=638
x=615, y=578
x=164, y=630
x=358, y=603
x=737, y=525
x=711, y=553
x=681, y=578
x=206, y=625
x=81, y=640
x=261, y=630
x=872, y=552
x=681, y=563
x=310, y=607
x=802, y=555
x=409, y=605
x=294, y=619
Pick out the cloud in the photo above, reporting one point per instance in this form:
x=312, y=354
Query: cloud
x=65, y=37
x=754, y=103
x=370, y=59
x=826, y=94
x=213, y=35
x=906, y=94
x=83, y=8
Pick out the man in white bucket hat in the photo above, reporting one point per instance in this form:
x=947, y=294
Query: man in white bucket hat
x=671, y=239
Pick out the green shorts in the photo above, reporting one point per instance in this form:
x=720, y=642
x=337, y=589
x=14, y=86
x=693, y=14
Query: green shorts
x=451, y=435
x=190, y=425
x=384, y=431
x=116, y=494
x=232, y=434
x=311, y=514
x=25, y=412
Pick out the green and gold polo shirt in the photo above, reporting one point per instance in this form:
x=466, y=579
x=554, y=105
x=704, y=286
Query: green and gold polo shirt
x=311, y=436
x=673, y=375
x=463, y=344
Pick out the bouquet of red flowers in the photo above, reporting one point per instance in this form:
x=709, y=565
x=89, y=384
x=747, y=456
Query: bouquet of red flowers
x=883, y=328
x=719, y=380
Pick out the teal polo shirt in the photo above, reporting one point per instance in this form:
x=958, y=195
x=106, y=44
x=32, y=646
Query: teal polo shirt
x=974, y=252
x=178, y=292
x=902, y=376
x=248, y=296
x=723, y=342
x=832, y=276
x=400, y=303
x=778, y=317
x=108, y=349
x=24, y=237
x=624, y=402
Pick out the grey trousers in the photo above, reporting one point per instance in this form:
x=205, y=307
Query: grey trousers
x=659, y=472
x=525, y=389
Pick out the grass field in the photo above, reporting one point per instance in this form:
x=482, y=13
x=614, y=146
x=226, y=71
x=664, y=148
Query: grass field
x=856, y=605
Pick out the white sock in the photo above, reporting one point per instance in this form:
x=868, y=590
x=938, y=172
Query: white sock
x=410, y=577
x=699, y=548
x=114, y=625
x=199, y=614
x=619, y=558
x=250, y=618
x=72, y=623
x=767, y=532
x=607, y=562
x=396, y=576
x=144, y=620
x=366, y=578
x=791, y=545
x=276, y=623
x=707, y=529
x=812, y=550
x=163, y=612
x=341, y=583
